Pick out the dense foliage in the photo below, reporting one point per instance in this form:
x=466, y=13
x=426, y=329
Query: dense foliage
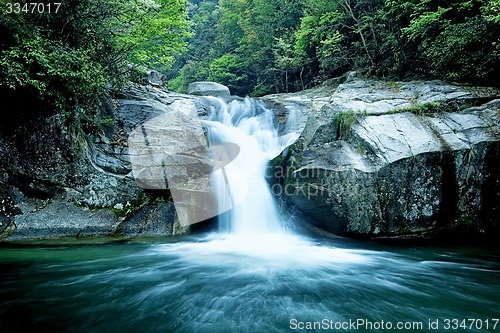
x=263, y=46
x=253, y=46
x=66, y=59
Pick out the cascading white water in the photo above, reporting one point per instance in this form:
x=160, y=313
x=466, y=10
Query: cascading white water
x=250, y=125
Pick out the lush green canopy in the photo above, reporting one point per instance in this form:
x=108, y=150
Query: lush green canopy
x=67, y=58
x=253, y=46
x=263, y=46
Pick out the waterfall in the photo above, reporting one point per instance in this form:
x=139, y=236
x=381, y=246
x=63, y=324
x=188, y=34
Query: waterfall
x=243, y=136
x=251, y=126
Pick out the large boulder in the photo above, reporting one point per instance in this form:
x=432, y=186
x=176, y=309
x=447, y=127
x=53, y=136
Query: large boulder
x=377, y=160
x=56, y=182
x=151, y=221
x=208, y=89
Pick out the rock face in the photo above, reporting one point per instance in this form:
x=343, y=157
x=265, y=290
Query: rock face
x=150, y=222
x=377, y=160
x=146, y=76
x=56, y=183
x=208, y=89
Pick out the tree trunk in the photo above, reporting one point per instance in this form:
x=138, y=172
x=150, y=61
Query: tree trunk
x=348, y=7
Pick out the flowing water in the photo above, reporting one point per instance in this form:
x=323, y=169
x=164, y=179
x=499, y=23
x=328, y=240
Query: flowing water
x=257, y=273
x=251, y=126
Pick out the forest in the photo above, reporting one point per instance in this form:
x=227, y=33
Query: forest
x=66, y=61
x=259, y=47
x=255, y=47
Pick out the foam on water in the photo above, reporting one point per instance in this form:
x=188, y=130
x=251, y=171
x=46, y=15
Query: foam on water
x=268, y=253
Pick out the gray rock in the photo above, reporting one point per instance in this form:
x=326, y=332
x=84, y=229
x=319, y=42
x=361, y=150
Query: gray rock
x=58, y=218
x=351, y=76
x=152, y=221
x=54, y=183
x=380, y=97
x=146, y=76
x=208, y=89
x=171, y=151
x=61, y=219
x=156, y=78
x=396, y=173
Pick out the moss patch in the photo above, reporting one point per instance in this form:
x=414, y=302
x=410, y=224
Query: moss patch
x=130, y=207
x=427, y=109
x=344, y=122
x=390, y=86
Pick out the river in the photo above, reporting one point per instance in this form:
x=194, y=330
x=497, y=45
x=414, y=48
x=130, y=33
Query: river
x=213, y=283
